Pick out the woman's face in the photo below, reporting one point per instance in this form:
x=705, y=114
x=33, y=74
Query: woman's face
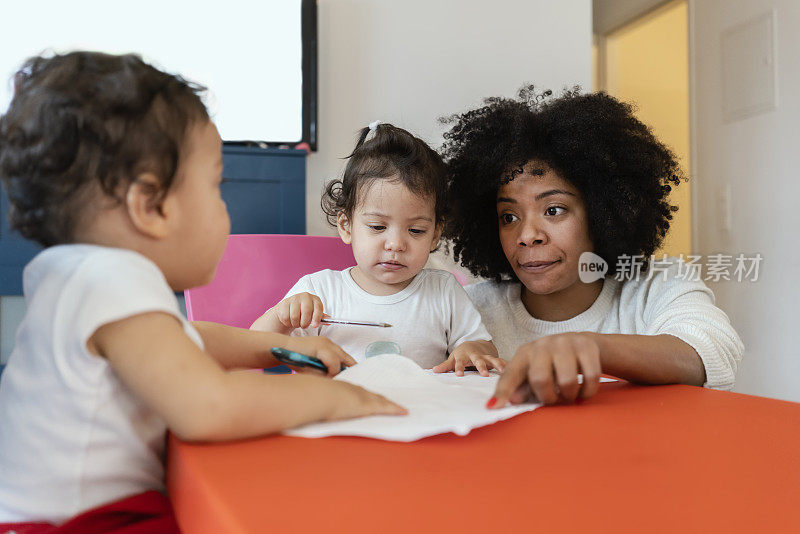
x=543, y=229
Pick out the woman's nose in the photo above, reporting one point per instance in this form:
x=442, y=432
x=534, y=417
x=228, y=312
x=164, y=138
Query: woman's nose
x=531, y=233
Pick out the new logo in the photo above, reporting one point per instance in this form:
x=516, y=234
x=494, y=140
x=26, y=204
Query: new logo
x=591, y=267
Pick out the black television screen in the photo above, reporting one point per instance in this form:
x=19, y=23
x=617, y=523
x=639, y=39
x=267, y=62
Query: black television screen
x=258, y=58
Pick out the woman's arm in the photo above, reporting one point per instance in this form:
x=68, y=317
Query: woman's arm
x=548, y=368
x=661, y=359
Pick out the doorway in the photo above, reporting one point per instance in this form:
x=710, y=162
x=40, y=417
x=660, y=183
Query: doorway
x=646, y=61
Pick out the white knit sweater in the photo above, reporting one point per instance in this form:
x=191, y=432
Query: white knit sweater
x=662, y=305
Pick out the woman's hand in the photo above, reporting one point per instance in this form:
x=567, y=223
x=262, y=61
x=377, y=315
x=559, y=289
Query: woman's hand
x=548, y=369
x=480, y=354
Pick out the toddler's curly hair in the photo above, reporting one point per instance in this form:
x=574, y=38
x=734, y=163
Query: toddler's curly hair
x=85, y=122
x=387, y=152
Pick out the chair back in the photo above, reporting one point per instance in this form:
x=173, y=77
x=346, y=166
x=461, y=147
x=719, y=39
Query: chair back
x=257, y=270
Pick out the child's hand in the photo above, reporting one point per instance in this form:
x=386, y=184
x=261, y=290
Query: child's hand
x=323, y=348
x=480, y=354
x=298, y=311
x=355, y=401
x=548, y=369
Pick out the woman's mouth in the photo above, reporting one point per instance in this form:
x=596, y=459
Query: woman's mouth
x=537, y=266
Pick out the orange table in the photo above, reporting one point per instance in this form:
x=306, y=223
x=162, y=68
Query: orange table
x=632, y=459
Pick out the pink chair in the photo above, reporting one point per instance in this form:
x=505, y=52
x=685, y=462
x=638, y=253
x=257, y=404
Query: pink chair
x=257, y=270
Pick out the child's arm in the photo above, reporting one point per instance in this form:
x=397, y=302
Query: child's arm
x=240, y=348
x=548, y=367
x=199, y=401
x=469, y=339
x=297, y=311
x=480, y=354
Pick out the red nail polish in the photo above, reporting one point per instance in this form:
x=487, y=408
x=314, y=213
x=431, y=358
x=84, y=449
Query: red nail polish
x=491, y=402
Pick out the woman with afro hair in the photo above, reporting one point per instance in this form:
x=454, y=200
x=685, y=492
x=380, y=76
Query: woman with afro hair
x=542, y=187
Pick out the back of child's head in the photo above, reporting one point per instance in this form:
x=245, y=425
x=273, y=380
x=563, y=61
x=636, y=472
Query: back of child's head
x=594, y=141
x=384, y=151
x=83, y=126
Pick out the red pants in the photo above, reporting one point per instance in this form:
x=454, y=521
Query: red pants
x=148, y=512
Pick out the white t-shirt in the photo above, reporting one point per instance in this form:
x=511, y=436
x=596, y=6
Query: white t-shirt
x=665, y=304
x=429, y=318
x=72, y=436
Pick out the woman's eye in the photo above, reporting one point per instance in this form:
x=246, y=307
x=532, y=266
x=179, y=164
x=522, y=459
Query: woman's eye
x=555, y=210
x=507, y=218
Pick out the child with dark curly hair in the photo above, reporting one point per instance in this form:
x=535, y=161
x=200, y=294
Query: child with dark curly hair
x=390, y=206
x=536, y=183
x=115, y=167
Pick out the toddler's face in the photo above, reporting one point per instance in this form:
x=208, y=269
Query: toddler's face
x=202, y=225
x=543, y=229
x=392, y=233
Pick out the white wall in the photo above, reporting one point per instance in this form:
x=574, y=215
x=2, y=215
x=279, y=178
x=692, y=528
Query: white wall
x=413, y=61
x=757, y=156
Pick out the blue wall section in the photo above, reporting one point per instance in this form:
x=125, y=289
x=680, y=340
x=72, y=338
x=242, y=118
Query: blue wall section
x=265, y=189
x=15, y=252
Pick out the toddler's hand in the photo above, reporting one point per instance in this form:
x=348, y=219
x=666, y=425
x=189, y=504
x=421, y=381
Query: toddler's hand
x=355, y=401
x=298, y=311
x=548, y=369
x=480, y=354
x=323, y=348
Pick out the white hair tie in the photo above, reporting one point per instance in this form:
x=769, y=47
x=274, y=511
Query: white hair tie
x=373, y=127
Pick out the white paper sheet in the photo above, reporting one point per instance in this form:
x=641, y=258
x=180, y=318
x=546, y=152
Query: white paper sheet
x=436, y=403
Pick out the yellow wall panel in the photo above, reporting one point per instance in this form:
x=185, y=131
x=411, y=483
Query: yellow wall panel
x=647, y=63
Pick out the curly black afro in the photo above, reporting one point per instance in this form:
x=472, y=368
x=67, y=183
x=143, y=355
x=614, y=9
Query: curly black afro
x=594, y=141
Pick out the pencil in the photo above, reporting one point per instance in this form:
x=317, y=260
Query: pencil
x=330, y=320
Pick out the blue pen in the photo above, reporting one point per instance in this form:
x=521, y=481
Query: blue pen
x=290, y=357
